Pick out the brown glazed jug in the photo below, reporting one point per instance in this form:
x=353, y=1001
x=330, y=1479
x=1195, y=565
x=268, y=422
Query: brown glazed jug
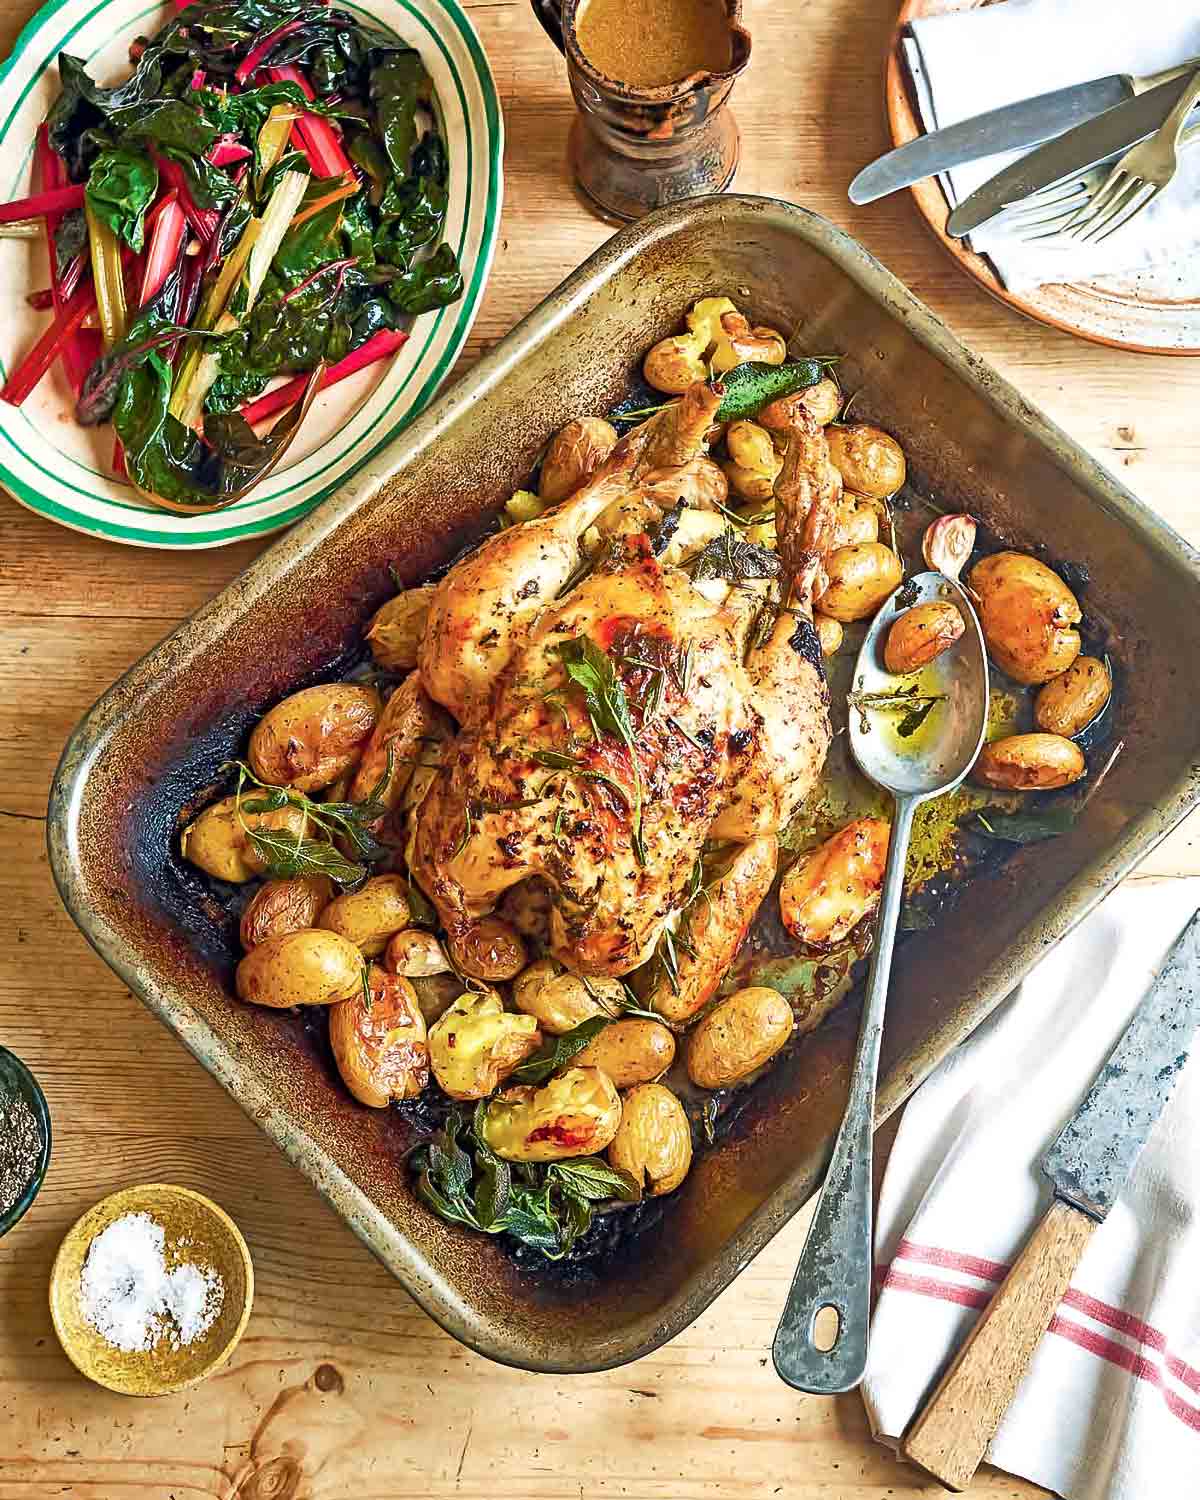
x=633, y=149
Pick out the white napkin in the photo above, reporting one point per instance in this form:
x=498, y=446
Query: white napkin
x=968, y=62
x=1110, y=1406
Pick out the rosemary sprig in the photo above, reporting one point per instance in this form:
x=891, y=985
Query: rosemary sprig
x=916, y=705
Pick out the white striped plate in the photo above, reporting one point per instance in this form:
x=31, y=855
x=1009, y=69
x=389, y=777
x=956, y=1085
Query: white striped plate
x=61, y=470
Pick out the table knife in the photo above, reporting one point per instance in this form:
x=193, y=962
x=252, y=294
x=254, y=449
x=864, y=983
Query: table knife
x=1087, y=1166
x=1029, y=122
x=1067, y=155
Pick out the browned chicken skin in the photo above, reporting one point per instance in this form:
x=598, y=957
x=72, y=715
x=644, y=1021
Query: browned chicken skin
x=727, y=725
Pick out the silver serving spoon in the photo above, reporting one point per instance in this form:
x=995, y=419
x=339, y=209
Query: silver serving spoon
x=835, y=1265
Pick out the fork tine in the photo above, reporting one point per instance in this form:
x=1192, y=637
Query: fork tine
x=1094, y=222
x=1058, y=215
x=1112, y=187
x=1141, y=197
x=1038, y=201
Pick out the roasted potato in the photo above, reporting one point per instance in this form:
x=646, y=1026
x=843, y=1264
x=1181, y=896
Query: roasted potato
x=409, y=718
x=920, y=634
x=575, y=1114
x=310, y=967
x=559, y=1000
x=476, y=1044
x=675, y=363
x=1029, y=763
x=653, y=1142
x=396, y=628
x=576, y=451
x=282, y=906
x=489, y=949
x=869, y=461
x=829, y=890
x=738, y=343
x=717, y=923
x=381, y=1051
x=370, y=915
x=738, y=1036
x=1068, y=704
x=753, y=463
x=218, y=843
x=309, y=739
x=860, y=579
x=829, y=633
x=632, y=1051
x=856, y=522
x=1028, y=614
x=822, y=402
x=416, y=954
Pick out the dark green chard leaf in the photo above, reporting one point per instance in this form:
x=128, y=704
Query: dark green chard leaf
x=433, y=283
x=747, y=388
x=170, y=122
x=120, y=188
x=396, y=84
x=556, y=1052
x=430, y=159
x=152, y=329
x=83, y=106
x=70, y=238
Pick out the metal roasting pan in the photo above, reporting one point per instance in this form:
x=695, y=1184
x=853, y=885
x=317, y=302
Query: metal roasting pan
x=153, y=742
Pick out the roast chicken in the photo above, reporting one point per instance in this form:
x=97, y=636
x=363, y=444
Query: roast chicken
x=630, y=680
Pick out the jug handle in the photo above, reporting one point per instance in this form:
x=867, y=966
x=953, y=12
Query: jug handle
x=549, y=13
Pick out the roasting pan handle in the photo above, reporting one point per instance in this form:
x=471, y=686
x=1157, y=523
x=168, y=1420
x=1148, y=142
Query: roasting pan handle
x=549, y=13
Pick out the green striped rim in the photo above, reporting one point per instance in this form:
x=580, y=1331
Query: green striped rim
x=317, y=485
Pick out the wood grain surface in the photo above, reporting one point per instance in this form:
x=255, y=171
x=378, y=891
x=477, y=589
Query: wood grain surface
x=342, y=1387
x=952, y=1431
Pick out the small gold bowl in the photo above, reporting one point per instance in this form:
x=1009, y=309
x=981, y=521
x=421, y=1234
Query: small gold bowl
x=213, y=1241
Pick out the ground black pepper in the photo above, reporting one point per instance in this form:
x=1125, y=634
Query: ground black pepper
x=20, y=1148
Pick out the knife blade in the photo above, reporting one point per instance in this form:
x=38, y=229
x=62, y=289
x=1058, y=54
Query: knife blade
x=1073, y=152
x=1026, y=123
x=1087, y=1165
x=1091, y=1161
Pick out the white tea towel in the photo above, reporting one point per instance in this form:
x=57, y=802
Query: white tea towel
x=1110, y=1406
x=965, y=63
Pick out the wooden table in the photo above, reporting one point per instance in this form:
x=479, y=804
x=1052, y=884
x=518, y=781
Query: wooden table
x=342, y=1387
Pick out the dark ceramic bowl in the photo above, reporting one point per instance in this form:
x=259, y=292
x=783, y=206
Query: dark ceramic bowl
x=153, y=744
x=17, y=1080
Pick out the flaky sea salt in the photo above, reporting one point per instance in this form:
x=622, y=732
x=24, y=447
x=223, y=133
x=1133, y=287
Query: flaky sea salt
x=130, y=1296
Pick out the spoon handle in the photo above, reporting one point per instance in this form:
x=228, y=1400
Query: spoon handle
x=835, y=1265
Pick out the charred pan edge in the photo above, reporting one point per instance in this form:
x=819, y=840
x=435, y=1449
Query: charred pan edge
x=433, y=1285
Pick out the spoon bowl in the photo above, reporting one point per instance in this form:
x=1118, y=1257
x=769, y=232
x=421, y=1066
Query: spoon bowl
x=915, y=736
x=938, y=753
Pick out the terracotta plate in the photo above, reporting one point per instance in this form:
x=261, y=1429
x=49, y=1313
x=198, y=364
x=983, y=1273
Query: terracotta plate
x=1154, y=311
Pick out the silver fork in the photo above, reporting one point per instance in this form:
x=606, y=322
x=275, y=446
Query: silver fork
x=1071, y=209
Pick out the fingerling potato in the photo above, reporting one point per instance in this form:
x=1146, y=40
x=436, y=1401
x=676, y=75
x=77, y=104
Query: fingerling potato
x=488, y=949
x=218, y=841
x=829, y=890
x=653, y=1142
x=1029, y=763
x=1028, y=615
x=860, y=578
x=829, y=632
x=576, y=451
x=310, y=967
x=381, y=1051
x=631, y=1051
x=309, y=739
x=416, y=954
x=370, y=915
x=409, y=718
x=856, y=522
x=1068, y=704
x=397, y=627
x=559, y=1000
x=476, y=1044
x=869, y=461
x=575, y=1114
x=920, y=634
x=282, y=906
x=738, y=1036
